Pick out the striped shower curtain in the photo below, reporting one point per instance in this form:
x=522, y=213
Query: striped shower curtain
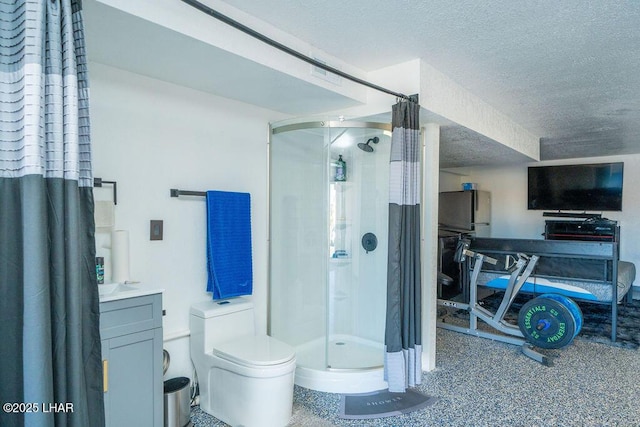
x=50, y=350
x=403, y=349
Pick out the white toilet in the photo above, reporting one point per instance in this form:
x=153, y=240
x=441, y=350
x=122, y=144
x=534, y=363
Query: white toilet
x=245, y=379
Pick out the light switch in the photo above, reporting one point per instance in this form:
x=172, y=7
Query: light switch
x=155, y=230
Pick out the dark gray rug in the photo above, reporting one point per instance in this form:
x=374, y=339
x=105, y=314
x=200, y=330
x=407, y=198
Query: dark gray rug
x=596, y=320
x=382, y=403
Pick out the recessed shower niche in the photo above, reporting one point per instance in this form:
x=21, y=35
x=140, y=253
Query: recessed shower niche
x=328, y=215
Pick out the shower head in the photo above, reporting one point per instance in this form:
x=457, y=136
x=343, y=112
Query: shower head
x=366, y=147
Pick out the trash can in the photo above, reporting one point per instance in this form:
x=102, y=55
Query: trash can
x=177, y=406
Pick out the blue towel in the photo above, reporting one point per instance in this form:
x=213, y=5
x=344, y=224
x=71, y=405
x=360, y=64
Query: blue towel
x=229, y=244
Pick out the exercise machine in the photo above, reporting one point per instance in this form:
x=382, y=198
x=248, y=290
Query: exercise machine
x=549, y=321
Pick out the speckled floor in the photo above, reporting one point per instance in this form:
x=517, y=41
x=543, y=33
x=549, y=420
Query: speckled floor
x=485, y=383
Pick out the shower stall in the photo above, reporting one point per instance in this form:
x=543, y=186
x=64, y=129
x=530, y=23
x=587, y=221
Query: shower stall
x=328, y=223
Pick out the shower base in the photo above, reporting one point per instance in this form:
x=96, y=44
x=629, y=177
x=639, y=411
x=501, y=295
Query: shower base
x=355, y=365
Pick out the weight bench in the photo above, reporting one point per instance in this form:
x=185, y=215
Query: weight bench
x=581, y=270
x=548, y=321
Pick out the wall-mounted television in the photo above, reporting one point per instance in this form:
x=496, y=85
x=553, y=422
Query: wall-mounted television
x=585, y=187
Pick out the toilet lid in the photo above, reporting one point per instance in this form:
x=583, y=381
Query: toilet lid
x=261, y=350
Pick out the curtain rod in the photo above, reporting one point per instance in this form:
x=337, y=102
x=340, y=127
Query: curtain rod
x=235, y=24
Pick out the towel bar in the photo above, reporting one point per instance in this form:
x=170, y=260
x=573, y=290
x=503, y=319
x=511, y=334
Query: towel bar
x=176, y=193
x=97, y=182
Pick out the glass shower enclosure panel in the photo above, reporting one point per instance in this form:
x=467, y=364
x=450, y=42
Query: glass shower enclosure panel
x=298, y=253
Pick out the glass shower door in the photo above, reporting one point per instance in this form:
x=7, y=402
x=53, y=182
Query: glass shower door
x=358, y=212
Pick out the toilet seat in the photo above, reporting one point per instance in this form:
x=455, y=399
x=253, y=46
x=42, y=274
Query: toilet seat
x=255, y=350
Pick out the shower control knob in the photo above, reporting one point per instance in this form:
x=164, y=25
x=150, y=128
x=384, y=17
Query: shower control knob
x=369, y=242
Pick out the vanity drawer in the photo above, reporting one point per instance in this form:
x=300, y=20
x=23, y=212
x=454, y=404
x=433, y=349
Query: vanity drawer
x=130, y=315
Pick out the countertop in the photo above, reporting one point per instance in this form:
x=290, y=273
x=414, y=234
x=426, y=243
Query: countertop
x=117, y=291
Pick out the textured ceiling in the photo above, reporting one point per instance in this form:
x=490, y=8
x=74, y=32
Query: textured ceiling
x=566, y=71
x=460, y=147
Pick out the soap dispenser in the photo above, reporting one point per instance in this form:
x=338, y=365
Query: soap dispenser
x=341, y=169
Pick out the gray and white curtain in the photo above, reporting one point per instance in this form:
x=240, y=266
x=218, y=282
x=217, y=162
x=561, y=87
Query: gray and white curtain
x=403, y=346
x=50, y=349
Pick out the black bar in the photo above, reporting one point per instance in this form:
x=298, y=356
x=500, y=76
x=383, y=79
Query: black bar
x=97, y=182
x=557, y=248
x=572, y=215
x=177, y=193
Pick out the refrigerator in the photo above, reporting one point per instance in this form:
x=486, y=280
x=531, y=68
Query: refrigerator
x=466, y=212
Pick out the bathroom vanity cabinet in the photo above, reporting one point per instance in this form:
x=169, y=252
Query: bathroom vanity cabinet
x=131, y=334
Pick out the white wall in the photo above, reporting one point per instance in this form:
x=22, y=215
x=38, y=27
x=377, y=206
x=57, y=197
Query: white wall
x=450, y=181
x=511, y=219
x=152, y=136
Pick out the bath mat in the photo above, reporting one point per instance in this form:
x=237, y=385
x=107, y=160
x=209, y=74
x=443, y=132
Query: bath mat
x=382, y=403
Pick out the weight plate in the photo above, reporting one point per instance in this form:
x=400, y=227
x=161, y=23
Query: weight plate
x=546, y=323
x=572, y=306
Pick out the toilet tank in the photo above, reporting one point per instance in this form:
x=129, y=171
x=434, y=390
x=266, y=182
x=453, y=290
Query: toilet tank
x=220, y=321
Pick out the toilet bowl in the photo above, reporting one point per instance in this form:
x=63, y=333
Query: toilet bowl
x=244, y=379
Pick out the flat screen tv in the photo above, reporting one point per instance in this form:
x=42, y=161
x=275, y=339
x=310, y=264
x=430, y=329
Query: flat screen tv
x=586, y=187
